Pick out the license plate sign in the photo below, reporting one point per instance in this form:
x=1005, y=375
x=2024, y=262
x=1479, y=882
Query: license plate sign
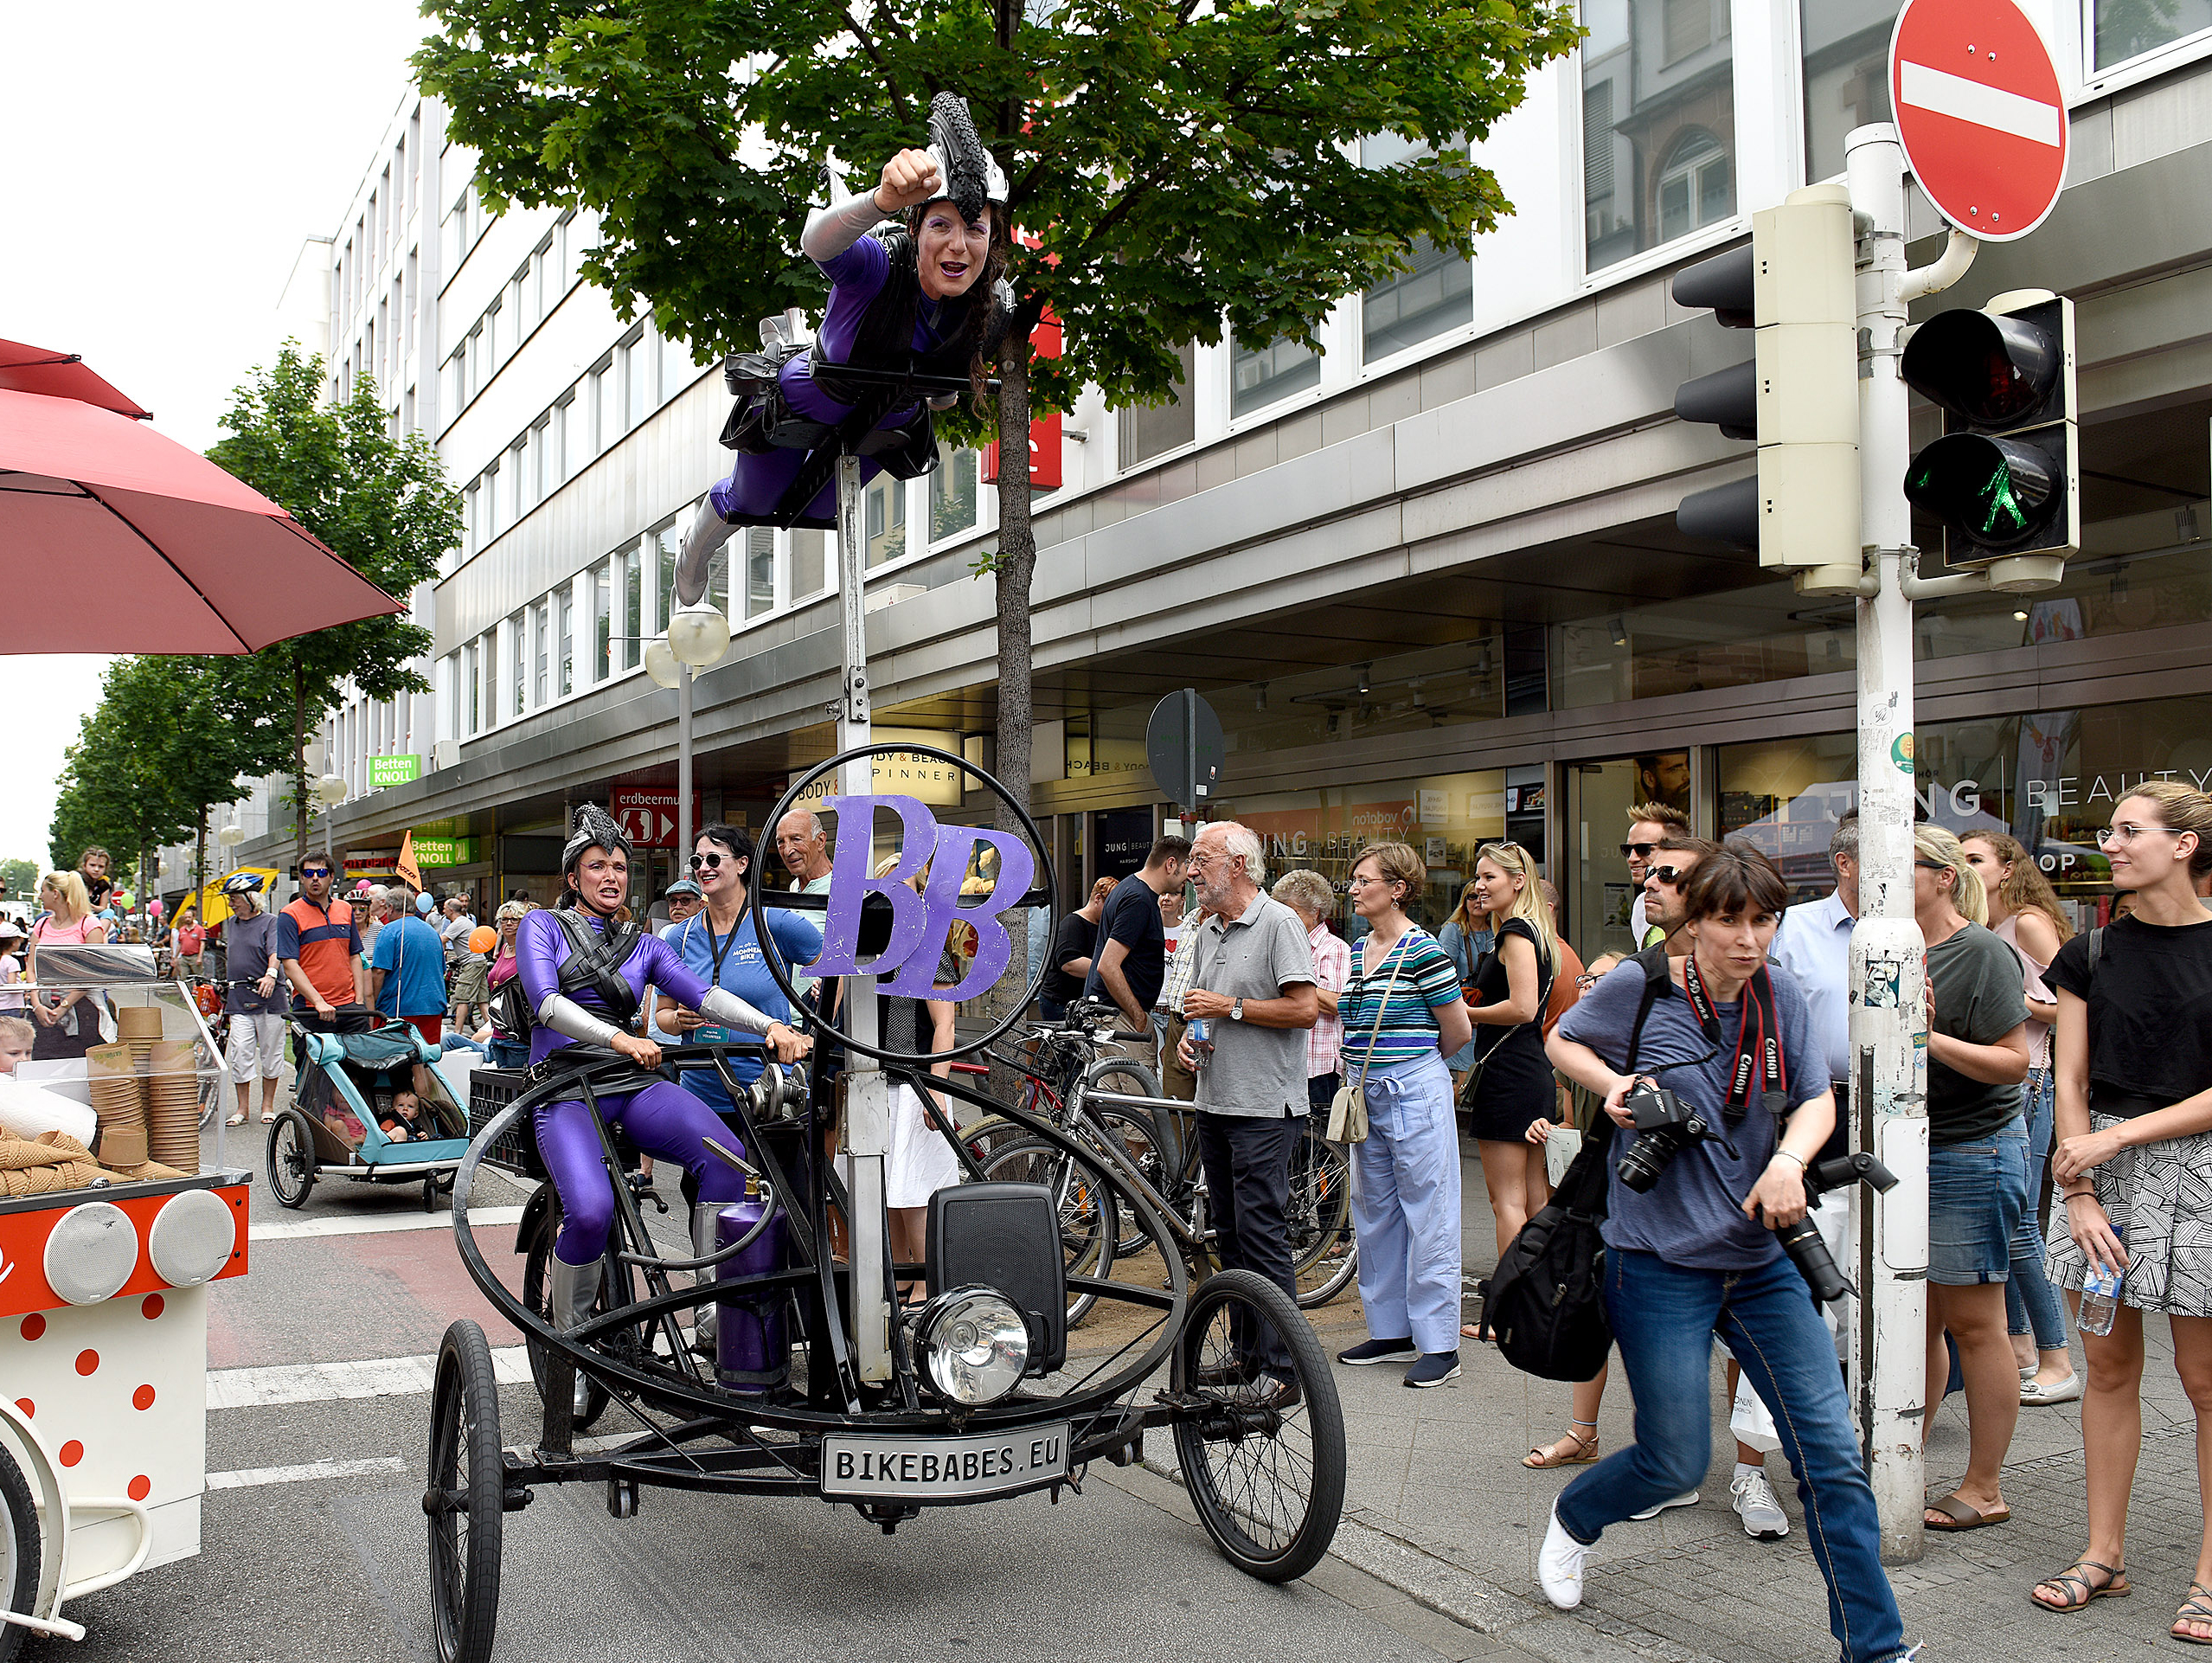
x=942, y=1469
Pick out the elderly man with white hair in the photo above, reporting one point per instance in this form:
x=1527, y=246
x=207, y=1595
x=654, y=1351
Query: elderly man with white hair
x=1253, y=982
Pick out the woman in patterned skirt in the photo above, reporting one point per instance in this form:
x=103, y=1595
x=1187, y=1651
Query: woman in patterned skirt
x=2134, y=1160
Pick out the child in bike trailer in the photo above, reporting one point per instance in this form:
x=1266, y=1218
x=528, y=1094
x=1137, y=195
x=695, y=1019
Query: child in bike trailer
x=922, y=293
x=584, y=970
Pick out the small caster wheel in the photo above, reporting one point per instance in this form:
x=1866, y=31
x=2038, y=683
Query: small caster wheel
x=622, y=1498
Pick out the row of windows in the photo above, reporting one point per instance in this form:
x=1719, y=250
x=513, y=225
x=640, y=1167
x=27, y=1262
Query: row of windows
x=521, y=302
x=380, y=225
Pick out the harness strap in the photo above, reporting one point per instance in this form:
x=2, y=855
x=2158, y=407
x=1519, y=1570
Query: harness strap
x=595, y=961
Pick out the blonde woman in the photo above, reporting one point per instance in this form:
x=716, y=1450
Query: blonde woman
x=1977, y=1164
x=2134, y=1141
x=1465, y=938
x=2024, y=914
x=69, y=1020
x=1513, y=1088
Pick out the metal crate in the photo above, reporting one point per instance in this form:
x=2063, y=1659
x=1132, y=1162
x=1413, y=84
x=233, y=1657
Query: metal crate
x=489, y=1091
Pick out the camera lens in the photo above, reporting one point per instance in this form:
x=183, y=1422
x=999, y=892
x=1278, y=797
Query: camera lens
x=1647, y=1157
x=1801, y=1241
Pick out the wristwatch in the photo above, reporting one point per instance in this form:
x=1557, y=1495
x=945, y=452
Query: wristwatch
x=1236, y=1011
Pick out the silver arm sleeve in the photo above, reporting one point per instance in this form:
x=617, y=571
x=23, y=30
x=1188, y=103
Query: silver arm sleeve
x=564, y=1015
x=732, y=1012
x=705, y=533
x=829, y=231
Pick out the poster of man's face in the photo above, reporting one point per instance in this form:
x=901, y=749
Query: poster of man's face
x=1665, y=778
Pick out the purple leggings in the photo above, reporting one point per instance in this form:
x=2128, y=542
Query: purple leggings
x=662, y=1119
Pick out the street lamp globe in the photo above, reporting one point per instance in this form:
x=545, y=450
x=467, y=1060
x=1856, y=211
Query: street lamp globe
x=661, y=662
x=699, y=634
x=231, y=836
x=331, y=790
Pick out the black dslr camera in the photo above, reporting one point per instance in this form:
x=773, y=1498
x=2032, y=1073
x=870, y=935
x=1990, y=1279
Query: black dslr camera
x=1802, y=1242
x=1665, y=1127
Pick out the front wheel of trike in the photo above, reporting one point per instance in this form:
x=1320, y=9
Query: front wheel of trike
x=1259, y=1430
x=466, y=1496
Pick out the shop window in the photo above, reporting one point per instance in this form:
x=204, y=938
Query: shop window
x=952, y=494
x=1259, y=375
x=1595, y=882
x=886, y=509
x=1846, y=47
x=1658, y=123
x=2127, y=28
x=1144, y=431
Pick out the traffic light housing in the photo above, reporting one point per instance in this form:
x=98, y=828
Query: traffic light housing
x=1797, y=397
x=2005, y=479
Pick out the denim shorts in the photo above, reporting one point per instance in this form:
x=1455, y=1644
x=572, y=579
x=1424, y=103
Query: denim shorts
x=1976, y=1192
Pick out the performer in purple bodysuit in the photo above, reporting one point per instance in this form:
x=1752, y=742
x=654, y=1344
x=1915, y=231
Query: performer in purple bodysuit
x=923, y=293
x=584, y=974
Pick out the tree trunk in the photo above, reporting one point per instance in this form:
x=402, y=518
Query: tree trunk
x=200, y=858
x=298, y=764
x=1017, y=562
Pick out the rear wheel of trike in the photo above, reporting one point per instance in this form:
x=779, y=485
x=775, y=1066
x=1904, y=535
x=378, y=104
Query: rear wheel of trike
x=537, y=1295
x=465, y=1499
x=290, y=1163
x=20, y=1553
x=1260, y=1432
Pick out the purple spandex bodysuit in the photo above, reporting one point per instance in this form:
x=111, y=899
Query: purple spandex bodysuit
x=757, y=483
x=661, y=1119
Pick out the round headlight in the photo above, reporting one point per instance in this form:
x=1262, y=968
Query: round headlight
x=974, y=1345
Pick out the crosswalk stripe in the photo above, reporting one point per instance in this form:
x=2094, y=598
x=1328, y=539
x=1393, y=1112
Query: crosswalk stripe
x=321, y=1383
x=247, y=1478
x=292, y=1229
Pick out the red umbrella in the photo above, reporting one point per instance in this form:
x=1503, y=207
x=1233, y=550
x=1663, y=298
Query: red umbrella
x=41, y=370
x=144, y=546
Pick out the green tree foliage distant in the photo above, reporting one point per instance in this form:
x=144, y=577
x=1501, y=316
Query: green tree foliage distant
x=18, y=880
x=1181, y=165
x=382, y=504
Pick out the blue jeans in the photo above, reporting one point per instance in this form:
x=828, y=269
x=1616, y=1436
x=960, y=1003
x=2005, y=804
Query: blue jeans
x=1665, y=1318
x=2030, y=1303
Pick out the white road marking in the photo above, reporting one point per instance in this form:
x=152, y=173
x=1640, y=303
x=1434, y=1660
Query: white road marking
x=247, y=1478
x=321, y=1383
x=1985, y=105
x=292, y=1229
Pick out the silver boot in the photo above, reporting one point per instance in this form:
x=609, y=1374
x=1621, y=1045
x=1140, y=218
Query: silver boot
x=703, y=1215
x=573, y=1290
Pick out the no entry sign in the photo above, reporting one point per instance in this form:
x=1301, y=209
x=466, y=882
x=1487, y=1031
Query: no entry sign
x=1980, y=112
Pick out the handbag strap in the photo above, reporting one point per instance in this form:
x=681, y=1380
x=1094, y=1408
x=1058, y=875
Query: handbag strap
x=1397, y=953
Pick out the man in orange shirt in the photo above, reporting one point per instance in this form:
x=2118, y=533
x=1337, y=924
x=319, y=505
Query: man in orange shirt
x=320, y=946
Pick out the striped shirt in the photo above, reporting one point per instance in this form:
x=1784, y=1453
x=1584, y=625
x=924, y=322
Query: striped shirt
x=1427, y=983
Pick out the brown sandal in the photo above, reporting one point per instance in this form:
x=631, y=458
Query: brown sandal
x=1580, y=1451
x=2115, y=1586
x=2197, y=1607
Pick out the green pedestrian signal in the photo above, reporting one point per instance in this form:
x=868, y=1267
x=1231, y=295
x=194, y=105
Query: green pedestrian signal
x=2005, y=477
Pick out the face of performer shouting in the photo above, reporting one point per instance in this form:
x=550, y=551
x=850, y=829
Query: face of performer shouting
x=952, y=249
x=602, y=880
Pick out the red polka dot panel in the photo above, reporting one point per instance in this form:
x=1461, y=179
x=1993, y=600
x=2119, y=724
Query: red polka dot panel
x=87, y=1361
x=71, y=1453
x=142, y=1398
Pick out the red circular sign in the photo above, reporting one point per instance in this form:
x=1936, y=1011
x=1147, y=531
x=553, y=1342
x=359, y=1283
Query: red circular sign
x=1980, y=112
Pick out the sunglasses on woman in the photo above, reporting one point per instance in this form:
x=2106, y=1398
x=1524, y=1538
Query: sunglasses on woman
x=711, y=858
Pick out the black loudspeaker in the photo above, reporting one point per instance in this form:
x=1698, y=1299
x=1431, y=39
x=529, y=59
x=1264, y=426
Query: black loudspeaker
x=1005, y=1236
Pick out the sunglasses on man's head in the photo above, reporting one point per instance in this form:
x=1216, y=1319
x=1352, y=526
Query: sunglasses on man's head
x=1639, y=850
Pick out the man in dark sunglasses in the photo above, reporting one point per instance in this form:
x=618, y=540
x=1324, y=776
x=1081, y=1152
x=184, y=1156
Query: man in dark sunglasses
x=1668, y=875
x=1649, y=826
x=318, y=941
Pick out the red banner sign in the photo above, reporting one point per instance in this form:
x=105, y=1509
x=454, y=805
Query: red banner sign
x=647, y=814
x=1044, y=430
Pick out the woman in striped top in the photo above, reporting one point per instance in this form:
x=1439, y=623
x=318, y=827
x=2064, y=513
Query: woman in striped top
x=1402, y=1016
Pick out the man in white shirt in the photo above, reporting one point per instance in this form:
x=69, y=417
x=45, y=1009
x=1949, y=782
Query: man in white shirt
x=1648, y=825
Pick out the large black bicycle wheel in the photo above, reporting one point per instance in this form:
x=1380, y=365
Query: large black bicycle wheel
x=537, y=1295
x=20, y=1554
x=1325, y=1254
x=465, y=1497
x=289, y=1157
x=1087, y=1206
x=1260, y=1432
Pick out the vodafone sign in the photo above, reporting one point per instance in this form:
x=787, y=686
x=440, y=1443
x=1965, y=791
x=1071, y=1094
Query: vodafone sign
x=1980, y=113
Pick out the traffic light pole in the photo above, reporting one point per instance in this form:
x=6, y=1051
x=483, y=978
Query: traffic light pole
x=1888, y=1017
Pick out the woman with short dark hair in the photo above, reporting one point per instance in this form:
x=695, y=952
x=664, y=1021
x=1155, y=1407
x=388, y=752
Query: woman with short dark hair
x=1692, y=1255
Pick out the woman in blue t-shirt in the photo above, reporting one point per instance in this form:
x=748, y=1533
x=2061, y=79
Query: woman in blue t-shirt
x=1695, y=1255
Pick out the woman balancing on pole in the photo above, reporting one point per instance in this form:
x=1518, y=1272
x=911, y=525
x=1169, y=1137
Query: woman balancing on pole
x=584, y=974
x=923, y=293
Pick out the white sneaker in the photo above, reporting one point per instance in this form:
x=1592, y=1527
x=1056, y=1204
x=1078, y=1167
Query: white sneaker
x=1687, y=1498
x=1559, y=1566
x=1755, y=1505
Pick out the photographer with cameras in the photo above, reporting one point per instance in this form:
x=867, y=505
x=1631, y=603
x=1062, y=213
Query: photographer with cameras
x=1720, y=1066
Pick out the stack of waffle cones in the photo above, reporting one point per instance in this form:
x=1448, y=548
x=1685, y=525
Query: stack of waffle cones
x=173, y=1106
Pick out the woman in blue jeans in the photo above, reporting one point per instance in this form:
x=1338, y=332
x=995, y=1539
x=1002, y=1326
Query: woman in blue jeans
x=1695, y=1255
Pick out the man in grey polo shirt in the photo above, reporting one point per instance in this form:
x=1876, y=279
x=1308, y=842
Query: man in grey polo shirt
x=1252, y=979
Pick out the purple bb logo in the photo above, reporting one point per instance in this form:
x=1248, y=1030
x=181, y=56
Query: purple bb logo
x=918, y=922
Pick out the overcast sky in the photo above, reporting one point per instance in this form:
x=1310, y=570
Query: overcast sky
x=165, y=162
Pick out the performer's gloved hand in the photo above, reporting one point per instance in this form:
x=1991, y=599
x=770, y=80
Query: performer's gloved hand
x=909, y=177
x=787, y=1046
x=643, y=1052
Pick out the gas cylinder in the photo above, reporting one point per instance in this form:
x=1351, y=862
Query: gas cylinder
x=752, y=1347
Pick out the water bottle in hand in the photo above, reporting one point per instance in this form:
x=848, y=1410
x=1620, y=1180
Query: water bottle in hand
x=2100, y=1299
x=1202, y=1039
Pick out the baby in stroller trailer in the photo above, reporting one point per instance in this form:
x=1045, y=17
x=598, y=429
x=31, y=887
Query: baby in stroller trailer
x=583, y=972
x=403, y=1120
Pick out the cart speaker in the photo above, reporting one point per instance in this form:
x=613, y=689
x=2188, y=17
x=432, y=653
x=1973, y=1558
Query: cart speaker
x=91, y=1253
x=193, y=1237
x=1005, y=1236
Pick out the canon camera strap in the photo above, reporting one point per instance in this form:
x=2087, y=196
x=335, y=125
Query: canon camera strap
x=1759, y=1040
